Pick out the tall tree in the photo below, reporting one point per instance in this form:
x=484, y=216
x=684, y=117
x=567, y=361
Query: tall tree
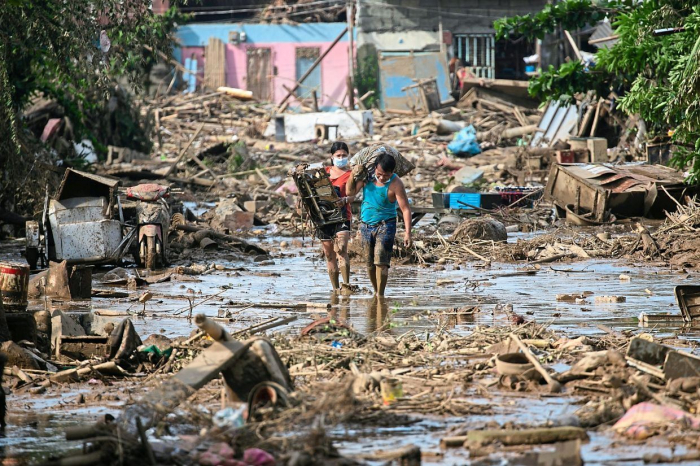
x=74, y=52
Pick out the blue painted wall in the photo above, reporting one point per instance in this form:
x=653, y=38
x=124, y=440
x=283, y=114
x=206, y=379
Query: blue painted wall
x=197, y=35
x=397, y=71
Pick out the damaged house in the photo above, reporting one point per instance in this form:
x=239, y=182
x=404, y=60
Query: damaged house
x=268, y=59
x=414, y=39
x=267, y=47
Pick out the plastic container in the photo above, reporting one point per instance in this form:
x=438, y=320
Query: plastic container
x=392, y=390
x=512, y=364
x=14, y=283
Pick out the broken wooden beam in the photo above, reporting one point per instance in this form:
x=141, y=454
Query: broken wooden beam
x=525, y=436
x=183, y=151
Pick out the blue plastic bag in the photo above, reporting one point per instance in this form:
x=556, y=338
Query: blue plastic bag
x=465, y=143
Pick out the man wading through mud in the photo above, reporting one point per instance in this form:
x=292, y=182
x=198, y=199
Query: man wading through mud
x=338, y=234
x=381, y=194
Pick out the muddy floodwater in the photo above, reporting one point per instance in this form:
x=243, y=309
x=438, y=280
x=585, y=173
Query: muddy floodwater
x=418, y=299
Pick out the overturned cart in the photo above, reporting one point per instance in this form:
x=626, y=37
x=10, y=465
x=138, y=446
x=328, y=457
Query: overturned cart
x=82, y=224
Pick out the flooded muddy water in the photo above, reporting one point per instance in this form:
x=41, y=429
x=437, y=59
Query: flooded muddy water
x=416, y=298
x=415, y=295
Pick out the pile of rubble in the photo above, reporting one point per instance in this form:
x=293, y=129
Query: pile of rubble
x=275, y=413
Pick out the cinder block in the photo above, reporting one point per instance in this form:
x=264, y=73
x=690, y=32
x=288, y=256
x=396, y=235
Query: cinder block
x=254, y=206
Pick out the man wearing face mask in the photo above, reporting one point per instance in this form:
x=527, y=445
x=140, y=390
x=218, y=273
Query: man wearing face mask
x=334, y=238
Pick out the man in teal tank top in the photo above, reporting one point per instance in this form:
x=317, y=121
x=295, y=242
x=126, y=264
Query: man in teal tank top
x=381, y=194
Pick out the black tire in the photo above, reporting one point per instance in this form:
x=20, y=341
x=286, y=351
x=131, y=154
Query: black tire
x=151, y=254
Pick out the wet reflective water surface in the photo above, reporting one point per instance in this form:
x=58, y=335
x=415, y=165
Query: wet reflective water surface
x=417, y=298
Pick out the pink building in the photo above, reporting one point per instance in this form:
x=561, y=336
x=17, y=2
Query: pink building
x=264, y=58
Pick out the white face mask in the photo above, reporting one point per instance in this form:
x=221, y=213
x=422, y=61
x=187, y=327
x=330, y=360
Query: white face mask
x=340, y=163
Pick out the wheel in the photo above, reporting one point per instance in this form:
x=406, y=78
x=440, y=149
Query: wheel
x=151, y=254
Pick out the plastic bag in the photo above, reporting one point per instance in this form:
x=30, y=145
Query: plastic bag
x=465, y=143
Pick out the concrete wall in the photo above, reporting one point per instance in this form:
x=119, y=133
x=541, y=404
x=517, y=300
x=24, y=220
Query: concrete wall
x=414, y=24
x=283, y=40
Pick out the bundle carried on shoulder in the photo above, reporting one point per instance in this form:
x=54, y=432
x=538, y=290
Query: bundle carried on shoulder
x=368, y=156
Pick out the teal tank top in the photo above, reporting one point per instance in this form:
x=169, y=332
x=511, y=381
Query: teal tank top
x=376, y=207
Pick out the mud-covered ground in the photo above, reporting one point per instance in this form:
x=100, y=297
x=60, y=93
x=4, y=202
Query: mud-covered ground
x=456, y=298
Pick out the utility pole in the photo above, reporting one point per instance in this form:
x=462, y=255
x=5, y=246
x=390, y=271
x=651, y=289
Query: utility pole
x=440, y=36
x=351, y=56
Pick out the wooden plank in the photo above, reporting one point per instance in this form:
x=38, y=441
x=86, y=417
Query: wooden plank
x=597, y=116
x=688, y=299
x=573, y=44
x=586, y=120
x=647, y=351
x=183, y=151
x=603, y=39
x=525, y=436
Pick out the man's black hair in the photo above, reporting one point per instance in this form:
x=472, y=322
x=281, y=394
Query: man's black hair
x=386, y=161
x=339, y=145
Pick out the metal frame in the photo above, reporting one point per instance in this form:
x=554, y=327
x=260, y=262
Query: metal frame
x=477, y=48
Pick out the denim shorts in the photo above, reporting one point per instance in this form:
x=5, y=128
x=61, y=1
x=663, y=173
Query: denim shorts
x=378, y=242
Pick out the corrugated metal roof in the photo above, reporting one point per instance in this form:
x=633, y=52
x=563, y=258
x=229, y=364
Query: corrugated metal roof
x=603, y=29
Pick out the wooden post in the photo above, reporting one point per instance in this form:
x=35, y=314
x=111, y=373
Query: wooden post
x=351, y=59
x=351, y=49
x=312, y=68
x=351, y=94
x=595, y=118
x=573, y=44
x=315, y=97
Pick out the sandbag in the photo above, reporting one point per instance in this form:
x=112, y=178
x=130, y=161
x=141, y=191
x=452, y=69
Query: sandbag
x=368, y=156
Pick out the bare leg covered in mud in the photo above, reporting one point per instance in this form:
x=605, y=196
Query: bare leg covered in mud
x=337, y=259
x=341, y=242
x=382, y=278
x=372, y=274
x=332, y=263
x=378, y=243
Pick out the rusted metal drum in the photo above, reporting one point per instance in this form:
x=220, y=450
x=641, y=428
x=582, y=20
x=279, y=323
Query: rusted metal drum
x=14, y=283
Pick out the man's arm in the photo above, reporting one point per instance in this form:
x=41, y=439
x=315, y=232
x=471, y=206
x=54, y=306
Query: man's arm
x=402, y=199
x=352, y=187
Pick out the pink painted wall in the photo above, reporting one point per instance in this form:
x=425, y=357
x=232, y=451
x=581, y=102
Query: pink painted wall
x=334, y=68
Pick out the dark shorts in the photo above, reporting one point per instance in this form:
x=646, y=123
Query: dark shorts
x=378, y=242
x=328, y=232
